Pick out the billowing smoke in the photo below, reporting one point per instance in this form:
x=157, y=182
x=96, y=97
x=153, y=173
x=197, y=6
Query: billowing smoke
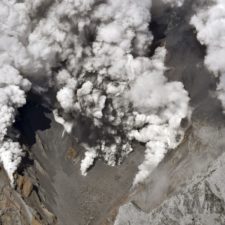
x=13, y=25
x=177, y=3
x=94, y=54
x=210, y=25
x=160, y=107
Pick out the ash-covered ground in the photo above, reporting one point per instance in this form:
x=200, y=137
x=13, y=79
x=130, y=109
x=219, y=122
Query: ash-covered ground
x=74, y=198
x=147, y=186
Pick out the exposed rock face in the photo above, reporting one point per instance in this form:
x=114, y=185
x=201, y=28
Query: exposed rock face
x=35, y=222
x=22, y=206
x=12, y=210
x=25, y=185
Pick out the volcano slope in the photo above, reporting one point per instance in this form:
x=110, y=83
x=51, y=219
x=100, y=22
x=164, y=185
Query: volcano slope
x=60, y=195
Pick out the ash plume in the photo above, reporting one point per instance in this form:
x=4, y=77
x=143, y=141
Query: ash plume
x=13, y=24
x=175, y=3
x=94, y=54
x=210, y=25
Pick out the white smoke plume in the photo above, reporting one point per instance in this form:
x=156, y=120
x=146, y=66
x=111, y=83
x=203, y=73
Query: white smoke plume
x=210, y=25
x=14, y=26
x=176, y=3
x=160, y=106
x=90, y=156
x=94, y=54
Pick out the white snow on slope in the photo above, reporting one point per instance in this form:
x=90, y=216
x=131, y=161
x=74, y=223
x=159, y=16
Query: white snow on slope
x=200, y=200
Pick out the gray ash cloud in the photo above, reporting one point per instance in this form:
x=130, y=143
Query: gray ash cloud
x=94, y=54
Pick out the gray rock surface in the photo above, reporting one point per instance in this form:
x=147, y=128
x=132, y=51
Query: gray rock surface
x=202, y=201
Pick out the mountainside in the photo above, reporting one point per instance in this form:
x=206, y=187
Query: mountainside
x=201, y=201
x=112, y=113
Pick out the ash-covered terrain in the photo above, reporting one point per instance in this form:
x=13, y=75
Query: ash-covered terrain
x=112, y=112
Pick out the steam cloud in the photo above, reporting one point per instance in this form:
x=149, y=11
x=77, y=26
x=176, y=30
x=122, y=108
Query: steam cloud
x=13, y=24
x=94, y=53
x=177, y=3
x=210, y=25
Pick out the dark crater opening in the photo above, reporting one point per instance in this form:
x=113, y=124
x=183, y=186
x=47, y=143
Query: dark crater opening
x=31, y=118
x=158, y=27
